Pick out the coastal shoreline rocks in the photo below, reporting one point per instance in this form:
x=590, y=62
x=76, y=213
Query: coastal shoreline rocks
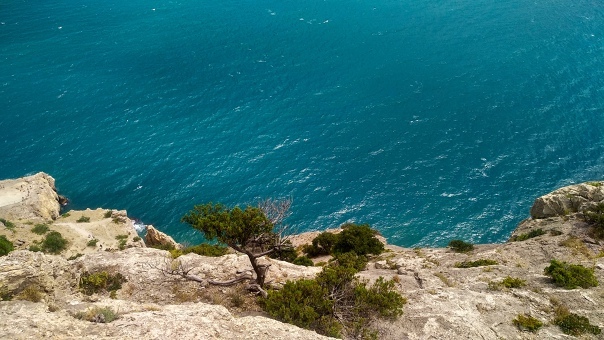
x=443, y=300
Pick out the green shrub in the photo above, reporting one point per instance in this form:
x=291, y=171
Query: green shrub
x=65, y=215
x=288, y=253
x=460, y=246
x=98, y=315
x=6, y=246
x=35, y=248
x=529, y=235
x=595, y=217
x=513, y=282
x=477, y=263
x=83, y=219
x=321, y=245
x=54, y=243
x=303, y=261
x=527, y=323
x=349, y=260
x=108, y=214
x=8, y=224
x=73, y=257
x=358, y=238
x=314, y=303
x=555, y=232
x=571, y=276
x=205, y=249
x=573, y=324
x=91, y=283
x=5, y=294
x=92, y=243
x=136, y=238
x=40, y=229
x=167, y=247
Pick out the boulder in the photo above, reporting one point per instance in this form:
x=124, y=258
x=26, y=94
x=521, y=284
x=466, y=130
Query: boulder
x=32, y=197
x=155, y=237
x=567, y=200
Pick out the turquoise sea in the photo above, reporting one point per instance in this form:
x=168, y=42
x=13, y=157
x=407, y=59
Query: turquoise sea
x=428, y=119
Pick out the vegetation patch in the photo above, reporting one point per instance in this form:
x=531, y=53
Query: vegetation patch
x=91, y=283
x=65, y=215
x=54, y=243
x=30, y=293
x=358, y=238
x=529, y=235
x=108, y=214
x=6, y=246
x=477, y=263
x=98, y=315
x=595, y=217
x=321, y=245
x=460, y=246
x=527, y=323
x=573, y=324
x=203, y=249
x=445, y=279
x=122, y=240
x=314, y=304
x=571, y=276
x=136, y=238
x=508, y=283
x=8, y=224
x=83, y=219
x=92, y=243
x=73, y=257
x=577, y=246
x=303, y=261
x=40, y=229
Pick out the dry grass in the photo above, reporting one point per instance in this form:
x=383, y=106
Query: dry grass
x=577, y=246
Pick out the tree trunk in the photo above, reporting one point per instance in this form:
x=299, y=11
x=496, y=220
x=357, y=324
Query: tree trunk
x=259, y=269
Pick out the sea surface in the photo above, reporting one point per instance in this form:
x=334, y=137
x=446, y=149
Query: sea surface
x=428, y=119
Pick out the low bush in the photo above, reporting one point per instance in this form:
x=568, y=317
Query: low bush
x=527, y=323
x=83, y=219
x=65, y=215
x=53, y=243
x=595, y=217
x=6, y=246
x=8, y=224
x=358, y=238
x=573, y=324
x=529, y=235
x=30, y=293
x=91, y=283
x=98, y=315
x=460, y=246
x=35, y=248
x=477, y=263
x=349, y=260
x=40, y=229
x=136, y=238
x=73, y=257
x=92, y=243
x=203, y=249
x=509, y=282
x=571, y=276
x=321, y=245
x=287, y=253
x=108, y=214
x=303, y=261
x=314, y=303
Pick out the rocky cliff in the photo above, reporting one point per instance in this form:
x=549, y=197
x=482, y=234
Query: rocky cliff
x=444, y=301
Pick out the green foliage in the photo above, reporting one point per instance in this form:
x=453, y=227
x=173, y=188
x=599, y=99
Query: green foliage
x=91, y=283
x=83, y=219
x=121, y=237
x=6, y=246
x=234, y=227
x=8, y=224
x=73, y=257
x=321, y=245
x=65, y=215
x=509, y=282
x=40, y=229
x=53, y=243
x=35, y=248
x=92, y=243
x=287, y=253
x=477, y=263
x=108, y=214
x=595, y=217
x=314, y=303
x=5, y=294
x=358, y=238
x=98, y=315
x=555, y=232
x=168, y=247
x=136, y=238
x=349, y=260
x=527, y=323
x=460, y=246
x=122, y=240
x=203, y=249
x=573, y=324
x=571, y=276
x=303, y=261
x=530, y=234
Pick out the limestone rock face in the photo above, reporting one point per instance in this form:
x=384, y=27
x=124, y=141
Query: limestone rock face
x=566, y=200
x=155, y=237
x=32, y=198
